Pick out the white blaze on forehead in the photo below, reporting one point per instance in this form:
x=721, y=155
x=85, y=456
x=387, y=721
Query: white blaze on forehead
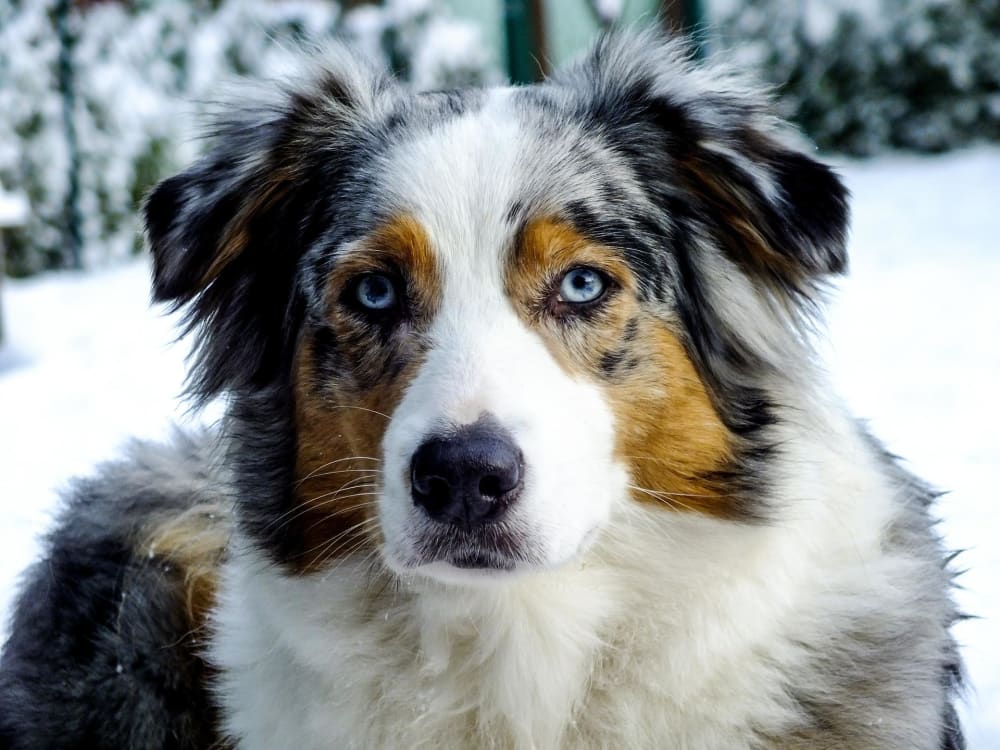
x=459, y=181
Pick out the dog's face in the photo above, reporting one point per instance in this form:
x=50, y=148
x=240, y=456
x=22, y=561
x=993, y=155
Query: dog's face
x=467, y=329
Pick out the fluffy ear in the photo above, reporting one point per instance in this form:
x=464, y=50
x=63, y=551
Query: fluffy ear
x=702, y=137
x=777, y=212
x=200, y=221
x=226, y=234
x=217, y=233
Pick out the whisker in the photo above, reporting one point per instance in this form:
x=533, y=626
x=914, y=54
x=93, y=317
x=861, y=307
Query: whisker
x=313, y=502
x=330, y=547
x=377, y=573
x=326, y=543
x=352, y=482
x=306, y=505
x=345, y=511
x=665, y=497
x=372, y=559
x=337, y=461
x=328, y=515
x=361, y=408
x=344, y=551
x=312, y=505
x=711, y=496
x=342, y=471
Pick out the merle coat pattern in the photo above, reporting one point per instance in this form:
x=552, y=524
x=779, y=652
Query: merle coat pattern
x=775, y=583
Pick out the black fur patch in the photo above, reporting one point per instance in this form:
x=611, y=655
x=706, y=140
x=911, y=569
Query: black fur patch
x=631, y=329
x=261, y=450
x=613, y=361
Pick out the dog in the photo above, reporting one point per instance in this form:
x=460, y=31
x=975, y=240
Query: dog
x=526, y=444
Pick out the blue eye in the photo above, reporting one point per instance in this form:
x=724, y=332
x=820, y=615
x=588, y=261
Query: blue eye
x=581, y=285
x=375, y=291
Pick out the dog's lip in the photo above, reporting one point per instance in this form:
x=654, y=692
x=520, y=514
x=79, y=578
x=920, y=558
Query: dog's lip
x=496, y=547
x=469, y=556
x=479, y=561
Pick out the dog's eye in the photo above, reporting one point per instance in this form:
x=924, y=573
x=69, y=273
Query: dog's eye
x=582, y=285
x=375, y=291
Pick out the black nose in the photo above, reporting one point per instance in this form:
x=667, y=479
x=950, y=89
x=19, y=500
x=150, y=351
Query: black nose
x=469, y=478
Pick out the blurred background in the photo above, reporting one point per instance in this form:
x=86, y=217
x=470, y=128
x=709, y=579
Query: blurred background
x=100, y=99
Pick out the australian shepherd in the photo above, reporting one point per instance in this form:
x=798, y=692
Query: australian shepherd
x=526, y=444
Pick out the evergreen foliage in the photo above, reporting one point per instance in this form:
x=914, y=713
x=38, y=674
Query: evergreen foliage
x=864, y=76
x=144, y=74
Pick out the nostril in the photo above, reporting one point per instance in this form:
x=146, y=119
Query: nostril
x=502, y=479
x=438, y=492
x=422, y=483
x=490, y=486
x=429, y=489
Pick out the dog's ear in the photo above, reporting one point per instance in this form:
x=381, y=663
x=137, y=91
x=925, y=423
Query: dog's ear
x=200, y=221
x=706, y=143
x=226, y=235
x=778, y=213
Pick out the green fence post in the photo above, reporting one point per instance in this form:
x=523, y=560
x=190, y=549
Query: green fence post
x=695, y=24
x=688, y=18
x=67, y=86
x=522, y=36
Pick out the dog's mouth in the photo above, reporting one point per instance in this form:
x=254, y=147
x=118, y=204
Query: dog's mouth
x=484, y=553
x=480, y=561
x=494, y=549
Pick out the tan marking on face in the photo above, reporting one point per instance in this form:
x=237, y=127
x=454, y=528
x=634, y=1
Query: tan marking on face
x=668, y=431
x=399, y=245
x=546, y=249
x=195, y=543
x=341, y=420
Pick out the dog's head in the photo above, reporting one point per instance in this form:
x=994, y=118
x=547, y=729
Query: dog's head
x=467, y=328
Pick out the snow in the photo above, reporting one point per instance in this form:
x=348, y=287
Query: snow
x=820, y=17
x=85, y=364
x=13, y=208
x=914, y=347
x=608, y=11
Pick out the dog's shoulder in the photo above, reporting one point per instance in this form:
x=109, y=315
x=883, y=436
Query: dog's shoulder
x=104, y=645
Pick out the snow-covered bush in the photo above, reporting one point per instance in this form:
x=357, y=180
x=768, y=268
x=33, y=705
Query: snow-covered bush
x=860, y=76
x=145, y=72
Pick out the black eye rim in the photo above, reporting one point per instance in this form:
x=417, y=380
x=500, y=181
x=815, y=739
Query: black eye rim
x=349, y=297
x=564, y=308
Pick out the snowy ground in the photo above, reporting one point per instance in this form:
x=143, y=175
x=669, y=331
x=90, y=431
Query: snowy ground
x=915, y=348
